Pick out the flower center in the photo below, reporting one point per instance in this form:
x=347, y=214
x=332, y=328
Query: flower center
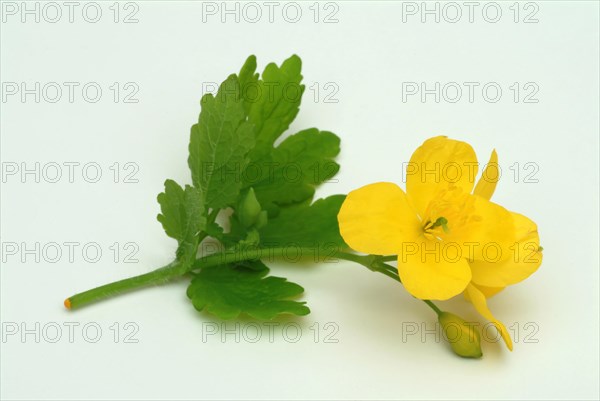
x=431, y=229
x=447, y=213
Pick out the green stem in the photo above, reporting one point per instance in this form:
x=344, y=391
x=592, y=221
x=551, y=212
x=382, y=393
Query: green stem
x=173, y=270
x=213, y=216
x=371, y=262
x=209, y=220
x=390, y=274
x=157, y=276
x=169, y=272
x=437, y=310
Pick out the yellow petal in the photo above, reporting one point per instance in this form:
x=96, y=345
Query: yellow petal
x=488, y=291
x=377, y=218
x=525, y=257
x=436, y=164
x=487, y=182
x=478, y=300
x=486, y=231
x=429, y=270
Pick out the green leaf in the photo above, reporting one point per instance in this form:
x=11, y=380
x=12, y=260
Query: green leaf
x=227, y=291
x=237, y=232
x=273, y=101
x=219, y=145
x=290, y=173
x=255, y=265
x=306, y=226
x=214, y=230
x=250, y=242
x=183, y=217
x=249, y=88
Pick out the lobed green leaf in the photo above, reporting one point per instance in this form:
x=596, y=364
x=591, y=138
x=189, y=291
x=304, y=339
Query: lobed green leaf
x=219, y=145
x=306, y=226
x=291, y=171
x=228, y=291
x=271, y=102
x=182, y=217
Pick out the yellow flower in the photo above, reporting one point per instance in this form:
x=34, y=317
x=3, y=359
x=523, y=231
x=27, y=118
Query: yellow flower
x=449, y=237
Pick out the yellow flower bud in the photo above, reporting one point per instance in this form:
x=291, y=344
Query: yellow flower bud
x=463, y=338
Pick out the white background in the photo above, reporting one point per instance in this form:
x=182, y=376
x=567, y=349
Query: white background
x=367, y=55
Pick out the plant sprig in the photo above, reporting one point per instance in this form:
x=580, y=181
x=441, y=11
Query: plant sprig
x=235, y=165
